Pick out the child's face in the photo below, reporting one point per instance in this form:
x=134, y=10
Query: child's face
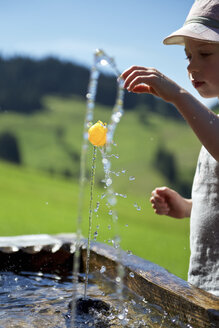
x=203, y=66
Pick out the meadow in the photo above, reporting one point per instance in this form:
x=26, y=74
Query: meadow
x=41, y=195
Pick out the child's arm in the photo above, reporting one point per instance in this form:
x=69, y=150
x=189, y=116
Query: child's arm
x=203, y=121
x=166, y=201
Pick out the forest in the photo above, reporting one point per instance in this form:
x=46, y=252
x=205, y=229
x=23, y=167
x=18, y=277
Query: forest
x=24, y=81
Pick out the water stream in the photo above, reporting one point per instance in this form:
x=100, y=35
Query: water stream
x=100, y=58
x=90, y=218
x=91, y=95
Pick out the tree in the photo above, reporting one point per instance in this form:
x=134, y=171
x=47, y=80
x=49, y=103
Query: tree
x=166, y=164
x=9, y=149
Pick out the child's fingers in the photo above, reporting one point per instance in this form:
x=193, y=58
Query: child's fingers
x=160, y=209
x=156, y=197
x=157, y=200
x=133, y=75
x=144, y=88
x=131, y=69
x=136, y=81
x=159, y=204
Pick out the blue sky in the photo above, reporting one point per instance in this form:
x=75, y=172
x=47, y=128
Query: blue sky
x=130, y=31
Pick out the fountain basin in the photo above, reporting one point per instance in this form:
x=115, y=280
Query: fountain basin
x=54, y=255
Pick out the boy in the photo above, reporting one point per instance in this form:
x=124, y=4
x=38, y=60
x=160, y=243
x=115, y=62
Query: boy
x=200, y=36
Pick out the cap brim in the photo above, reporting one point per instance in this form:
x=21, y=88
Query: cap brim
x=193, y=31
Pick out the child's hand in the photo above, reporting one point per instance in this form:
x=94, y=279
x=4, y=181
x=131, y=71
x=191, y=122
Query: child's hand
x=143, y=79
x=166, y=201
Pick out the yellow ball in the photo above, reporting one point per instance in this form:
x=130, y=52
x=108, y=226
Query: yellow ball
x=97, y=134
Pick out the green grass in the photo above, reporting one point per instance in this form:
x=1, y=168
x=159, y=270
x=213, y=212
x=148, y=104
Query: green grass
x=35, y=198
x=43, y=148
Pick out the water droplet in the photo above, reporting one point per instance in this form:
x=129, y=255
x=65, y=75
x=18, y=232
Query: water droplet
x=97, y=207
x=109, y=227
x=98, y=226
x=110, y=212
x=115, y=217
x=103, y=62
x=115, y=118
x=117, y=239
x=138, y=208
x=95, y=234
x=46, y=203
x=131, y=274
x=123, y=196
x=131, y=178
x=126, y=225
x=121, y=316
x=118, y=279
x=105, y=161
x=109, y=241
x=114, y=155
x=123, y=171
x=103, y=269
x=102, y=196
x=85, y=135
x=129, y=252
x=108, y=182
x=112, y=201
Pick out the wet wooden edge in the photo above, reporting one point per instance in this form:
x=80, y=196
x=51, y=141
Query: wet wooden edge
x=54, y=254
x=158, y=286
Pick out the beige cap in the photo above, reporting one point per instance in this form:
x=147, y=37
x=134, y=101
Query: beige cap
x=202, y=23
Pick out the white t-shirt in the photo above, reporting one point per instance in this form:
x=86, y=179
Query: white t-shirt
x=204, y=225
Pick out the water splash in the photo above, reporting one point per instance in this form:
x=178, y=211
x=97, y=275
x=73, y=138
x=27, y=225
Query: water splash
x=100, y=59
x=99, y=55
x=103, y=269
x=91, y=95
x=90, y=218
x=107, y=154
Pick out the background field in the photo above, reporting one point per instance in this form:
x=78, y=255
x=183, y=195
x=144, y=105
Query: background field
x=41, y=195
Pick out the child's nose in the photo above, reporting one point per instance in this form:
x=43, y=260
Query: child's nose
x=193, y=66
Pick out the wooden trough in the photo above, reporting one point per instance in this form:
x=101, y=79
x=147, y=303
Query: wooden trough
x=54, y=254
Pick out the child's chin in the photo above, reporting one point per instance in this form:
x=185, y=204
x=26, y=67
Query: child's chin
x=207, y=95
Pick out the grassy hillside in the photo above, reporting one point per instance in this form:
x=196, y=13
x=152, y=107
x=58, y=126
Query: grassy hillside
x=37, y=197
x=51, y=141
